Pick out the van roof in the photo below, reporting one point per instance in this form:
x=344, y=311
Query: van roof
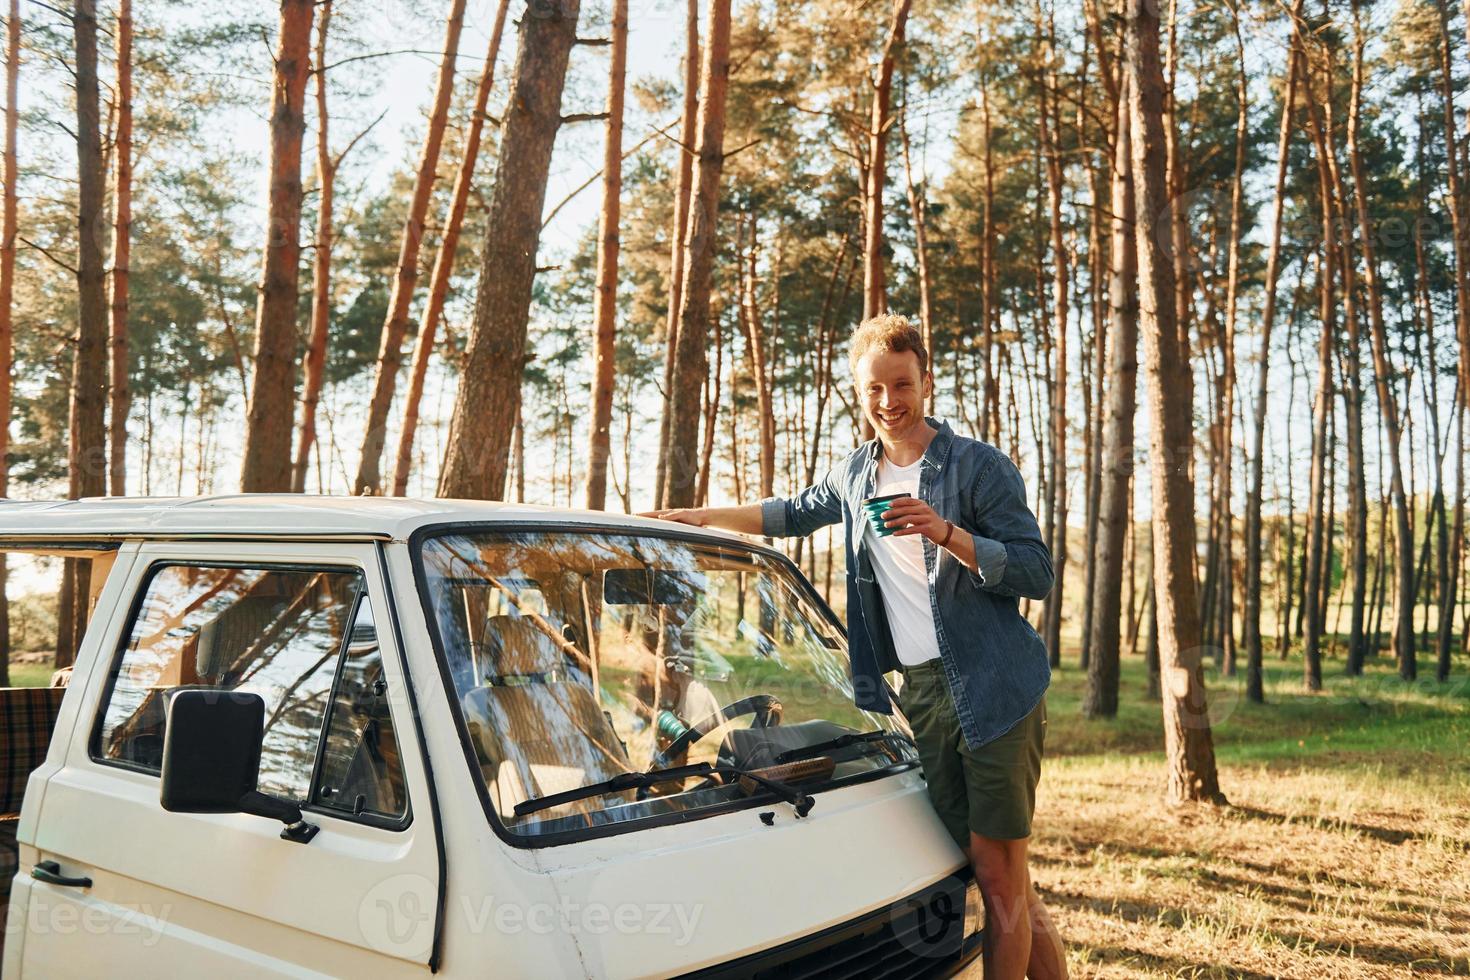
x=278, y=515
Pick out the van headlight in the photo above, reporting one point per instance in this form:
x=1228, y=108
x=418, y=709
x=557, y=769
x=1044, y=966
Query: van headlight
x=974, y=912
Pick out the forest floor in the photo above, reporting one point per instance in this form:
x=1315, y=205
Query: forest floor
x=1344, y=851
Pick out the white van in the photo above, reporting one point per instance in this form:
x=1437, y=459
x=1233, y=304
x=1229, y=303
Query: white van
x=391, y=737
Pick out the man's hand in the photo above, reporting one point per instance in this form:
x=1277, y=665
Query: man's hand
x=746, y=518
x=698, y=516
x=910, y=515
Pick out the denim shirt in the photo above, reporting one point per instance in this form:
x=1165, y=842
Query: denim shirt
x=995, y=662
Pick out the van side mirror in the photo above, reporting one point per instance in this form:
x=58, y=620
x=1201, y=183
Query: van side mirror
x=211, y=759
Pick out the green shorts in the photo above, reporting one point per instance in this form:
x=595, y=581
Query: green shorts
x=990, y=791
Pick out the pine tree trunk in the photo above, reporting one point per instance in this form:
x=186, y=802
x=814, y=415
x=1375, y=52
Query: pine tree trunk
x=66, y=620
x=1254, y=688
x=321, y=278
x=678, y=238
x=122, y=223
x=1284, y=631
x=1324, y=137
x=1382, y=371
x=87, y=442
x=478, y=451
x=1329, y=529
x=7, y=296
x=875, y=287
x=1052, y=608
x=1451, y=564
x=681, y=467
x=711, y=417
x=1095, y=393
x=1460, y=227
x=1115, y=455
x=1226, y=617
x=755, y=343
x=1151, y=645
x=1318, y=505
x=1094, y=403
x=917, y=209
x=1189, y=746
x=423, y=348
x=826, y=341
x=605, y=303
x=990, y=406
x=1176, y=173
x=369, y=477
x=87, y=455
x=267, y=455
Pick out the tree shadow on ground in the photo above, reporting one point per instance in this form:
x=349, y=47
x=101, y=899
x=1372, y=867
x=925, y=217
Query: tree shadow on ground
x=1385, y=834
x=1414, y=904
x=1174, y=966
x=1147, y=912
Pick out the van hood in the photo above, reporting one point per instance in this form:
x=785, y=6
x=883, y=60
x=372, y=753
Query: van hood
x=671, y=900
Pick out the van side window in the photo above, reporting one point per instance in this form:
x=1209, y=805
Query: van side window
x=361, y=770
x=277, y=632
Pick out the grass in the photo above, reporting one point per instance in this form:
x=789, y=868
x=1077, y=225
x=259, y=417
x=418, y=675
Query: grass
x=30, y=674
x=1344, y=852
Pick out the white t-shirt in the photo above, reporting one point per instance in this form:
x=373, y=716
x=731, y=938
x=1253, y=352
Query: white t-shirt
x=898, y=563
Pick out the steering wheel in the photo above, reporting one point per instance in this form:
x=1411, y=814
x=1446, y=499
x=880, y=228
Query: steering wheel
x=765, y=708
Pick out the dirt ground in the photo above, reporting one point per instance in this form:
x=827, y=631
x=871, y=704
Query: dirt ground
x=1304, y=875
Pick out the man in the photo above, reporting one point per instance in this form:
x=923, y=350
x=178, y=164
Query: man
x=936, y=600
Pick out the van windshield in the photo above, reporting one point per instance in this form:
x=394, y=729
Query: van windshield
x=580, y=656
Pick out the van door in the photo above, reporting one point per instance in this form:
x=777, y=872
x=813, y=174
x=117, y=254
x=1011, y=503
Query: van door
x=121, y=886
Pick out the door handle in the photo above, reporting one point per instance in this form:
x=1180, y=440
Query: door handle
x=50, y=872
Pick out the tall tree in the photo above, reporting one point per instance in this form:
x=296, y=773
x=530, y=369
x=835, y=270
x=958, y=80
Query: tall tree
x=681, y=466
x=321, y=279
x=687, y=129
x=1382, y=371
x=1115, y=461
x=122, y=223
x=990, y=379
x=1188, y=743
x=390, y=351
x=267, y=456
x=1319, y=534
x=1351, y=367
x=7, y=296
x=1253, y=587
x=423, y=347
x=87, y=433
x=605, y=304
x=1460, y=229
x=875, y=296
x=478, y=452
x=918, y=209
x=1056, y=508
x=756, y=343
x=1227, y=358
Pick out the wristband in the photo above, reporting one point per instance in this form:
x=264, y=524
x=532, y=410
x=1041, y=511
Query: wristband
x=948, y=534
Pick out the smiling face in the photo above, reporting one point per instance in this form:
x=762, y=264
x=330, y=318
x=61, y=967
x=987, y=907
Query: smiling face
x=893, y=390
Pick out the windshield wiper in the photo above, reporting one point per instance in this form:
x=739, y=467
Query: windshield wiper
x=841, y=742
x=636, y=780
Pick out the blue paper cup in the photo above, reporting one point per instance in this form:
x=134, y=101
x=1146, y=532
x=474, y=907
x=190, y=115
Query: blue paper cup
x=874, y=508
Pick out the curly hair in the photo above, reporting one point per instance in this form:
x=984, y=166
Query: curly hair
x=890, y=332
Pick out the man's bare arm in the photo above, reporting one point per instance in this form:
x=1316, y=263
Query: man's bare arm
x=745, y=518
